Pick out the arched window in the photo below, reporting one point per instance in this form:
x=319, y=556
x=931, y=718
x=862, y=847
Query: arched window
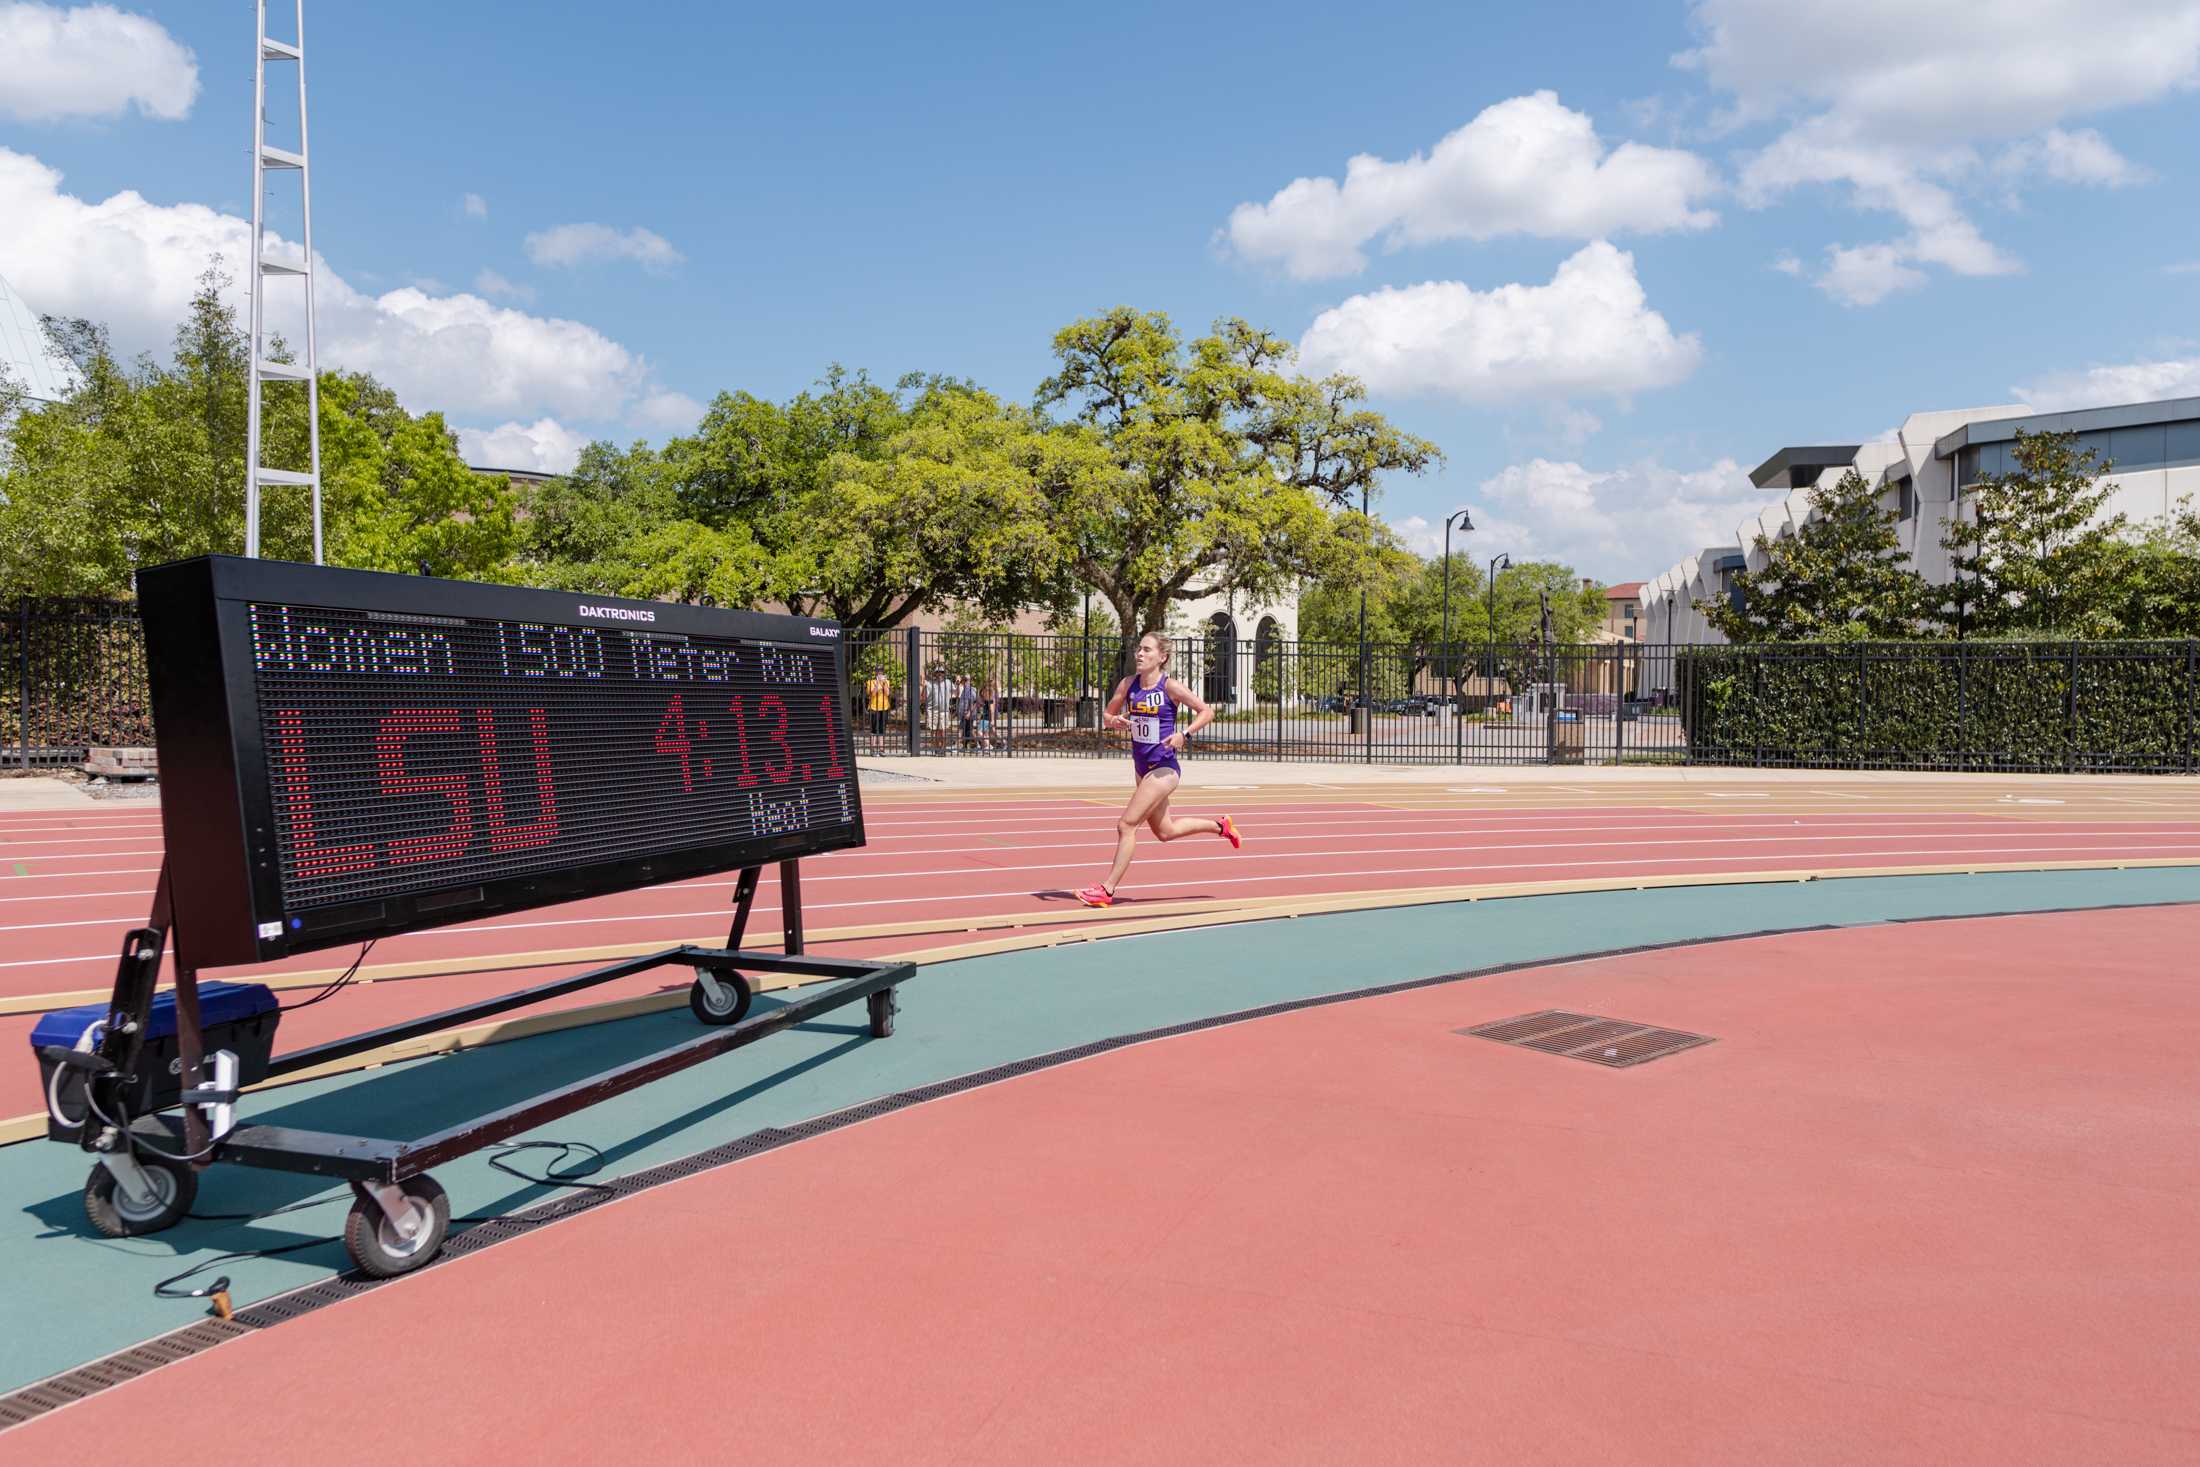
x=1267, y=661
x=1221, y=680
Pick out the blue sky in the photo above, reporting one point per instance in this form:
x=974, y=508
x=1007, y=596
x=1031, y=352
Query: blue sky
x=1608, y=257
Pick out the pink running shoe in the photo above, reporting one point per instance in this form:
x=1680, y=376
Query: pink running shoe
x=1230, y=833
x=1096, y=896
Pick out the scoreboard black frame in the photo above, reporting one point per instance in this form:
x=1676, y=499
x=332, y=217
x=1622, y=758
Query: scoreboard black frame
x=349, y=754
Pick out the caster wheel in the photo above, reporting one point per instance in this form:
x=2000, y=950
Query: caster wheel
x=374, y=1243
x=731, y=1003
x=117, y=1214
x=883, y=1003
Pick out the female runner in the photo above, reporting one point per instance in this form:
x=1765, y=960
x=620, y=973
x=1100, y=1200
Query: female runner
x=1145, y=703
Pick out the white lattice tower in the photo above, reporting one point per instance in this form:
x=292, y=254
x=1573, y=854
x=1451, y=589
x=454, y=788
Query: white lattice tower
x=267, y=158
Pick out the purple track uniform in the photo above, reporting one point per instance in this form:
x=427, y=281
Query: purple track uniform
x=1153, y=720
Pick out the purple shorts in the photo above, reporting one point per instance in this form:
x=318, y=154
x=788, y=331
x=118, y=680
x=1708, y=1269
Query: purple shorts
x=1145, y=759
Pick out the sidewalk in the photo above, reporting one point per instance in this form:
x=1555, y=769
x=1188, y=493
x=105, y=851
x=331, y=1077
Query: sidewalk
x=40, y=792
x=1112, y=773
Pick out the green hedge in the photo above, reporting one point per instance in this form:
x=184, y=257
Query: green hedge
x=2014, y=706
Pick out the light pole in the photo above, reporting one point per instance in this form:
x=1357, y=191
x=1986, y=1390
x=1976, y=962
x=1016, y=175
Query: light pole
x=1497, y=563
x=1362, y=713
x=1451, y=674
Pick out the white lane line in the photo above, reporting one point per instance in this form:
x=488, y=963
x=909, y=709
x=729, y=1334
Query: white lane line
x=1984, y=828
x=1985, y=853
x=921, y=899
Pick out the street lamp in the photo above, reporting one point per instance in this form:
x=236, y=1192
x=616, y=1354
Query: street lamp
x=1466, y=525
x=1497, y=563
x=1363, y=699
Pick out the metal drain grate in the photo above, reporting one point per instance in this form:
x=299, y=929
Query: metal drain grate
x=1642, y=1043
x=1614, y=1043
x=88, y=1380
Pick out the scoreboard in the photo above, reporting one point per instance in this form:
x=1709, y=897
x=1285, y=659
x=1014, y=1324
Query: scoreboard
x=346, y=754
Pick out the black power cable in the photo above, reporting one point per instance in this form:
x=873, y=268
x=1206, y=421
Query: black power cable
x=557, y=1174
x=343, y=980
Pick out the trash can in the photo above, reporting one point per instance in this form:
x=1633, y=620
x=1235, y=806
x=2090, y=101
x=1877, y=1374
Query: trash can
x=1566, y=737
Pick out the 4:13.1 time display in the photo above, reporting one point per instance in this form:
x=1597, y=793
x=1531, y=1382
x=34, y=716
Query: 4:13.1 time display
x=745, y=741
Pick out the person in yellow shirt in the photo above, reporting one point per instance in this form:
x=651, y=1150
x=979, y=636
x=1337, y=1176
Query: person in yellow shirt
x=881, y=690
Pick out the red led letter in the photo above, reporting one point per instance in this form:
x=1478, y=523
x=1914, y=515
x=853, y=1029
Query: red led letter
x=766, y=706
x=389, y=748
x=677, y=741
x=544, y=829
x=295, y=789
x=741, y=739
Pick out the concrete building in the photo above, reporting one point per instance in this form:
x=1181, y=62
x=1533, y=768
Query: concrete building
x=1622, y=613
x=1924, y=473
x=1245, y=633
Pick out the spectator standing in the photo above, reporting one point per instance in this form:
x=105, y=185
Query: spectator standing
x=881, y=690
x=966, y=709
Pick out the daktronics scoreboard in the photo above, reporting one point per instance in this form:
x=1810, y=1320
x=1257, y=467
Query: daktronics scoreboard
x=345, y=754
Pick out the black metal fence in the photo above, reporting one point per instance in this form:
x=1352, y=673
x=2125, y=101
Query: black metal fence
x=1017, y=696
x=72, y=677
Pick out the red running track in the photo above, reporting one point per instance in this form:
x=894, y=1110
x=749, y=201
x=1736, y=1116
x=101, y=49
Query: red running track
x=1925, y=1200
x=72, y=883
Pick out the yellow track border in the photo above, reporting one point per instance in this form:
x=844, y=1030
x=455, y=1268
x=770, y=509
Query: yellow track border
x=1070, y=928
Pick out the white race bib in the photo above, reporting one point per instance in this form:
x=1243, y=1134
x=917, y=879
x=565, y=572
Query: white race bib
x=1145, y=728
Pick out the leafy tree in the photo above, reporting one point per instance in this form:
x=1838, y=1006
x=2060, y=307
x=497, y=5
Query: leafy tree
x=751, y=460
x=1193, y=469
x=2153, y=590
x=616, y=525
x=1058, y=665
x=398, y=497
x=145, y=463
x=2036, y=556
x=871, y=505
x=1405, y=614
x=949, y=512
x=1842, y=573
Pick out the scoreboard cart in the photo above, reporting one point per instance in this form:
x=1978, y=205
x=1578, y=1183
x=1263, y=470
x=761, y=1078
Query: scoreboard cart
x=347, y=755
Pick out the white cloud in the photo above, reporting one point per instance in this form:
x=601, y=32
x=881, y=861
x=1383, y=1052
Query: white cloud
x=1620, y=524
x=1589, y=333
x=579, y=244
x=1524, y=166
x=545, y=446
x=1420, y=537
x=2125, y=382
x=1939, y=71
x=2182, y=267
x=490, y=283
x=1867, y=274
x=667, y=412
x=1575, y=426
x=1893, y=180
x=93, y=61
x=1894, y=98
x=474, y=206
x=133, y=264
x=2081, y=157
